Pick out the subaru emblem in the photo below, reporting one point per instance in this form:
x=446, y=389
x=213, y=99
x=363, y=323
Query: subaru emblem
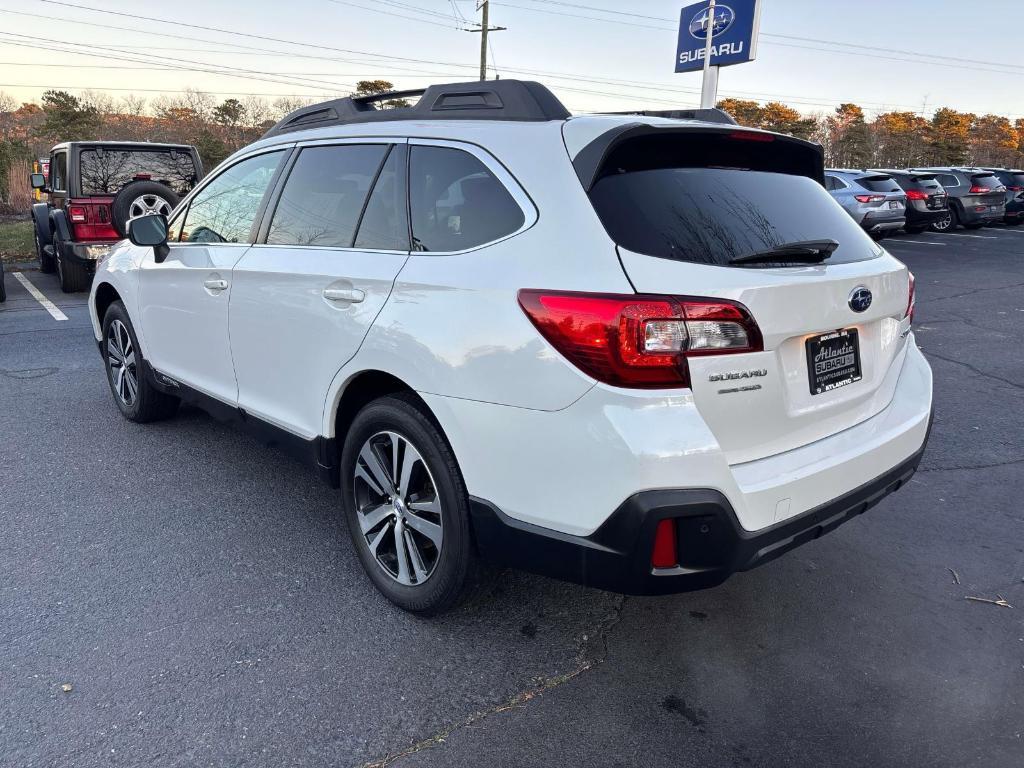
x=860, y=299
x=723, y=19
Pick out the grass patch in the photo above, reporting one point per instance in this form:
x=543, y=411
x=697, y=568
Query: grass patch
x=16, y=241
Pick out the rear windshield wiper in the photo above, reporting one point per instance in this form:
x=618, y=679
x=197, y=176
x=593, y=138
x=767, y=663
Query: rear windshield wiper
x=803, y=252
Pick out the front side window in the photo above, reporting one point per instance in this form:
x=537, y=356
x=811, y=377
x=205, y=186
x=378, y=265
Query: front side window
x=456, y=202
x=59, y=172
x=324, y=195
x=224, y=210
x=107, y=171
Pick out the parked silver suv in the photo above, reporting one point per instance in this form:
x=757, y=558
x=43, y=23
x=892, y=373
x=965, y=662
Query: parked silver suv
x=874, y=200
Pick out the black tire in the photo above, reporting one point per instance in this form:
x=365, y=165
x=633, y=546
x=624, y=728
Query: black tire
x=913, y=230
x=976, y=225
x=1014, y=222
x=456, y=569
x=3, y=286
x=73, y=277
x=878, y=235
x=159, y=198
x=948, y=224
x=47, y=264
x=148, y=404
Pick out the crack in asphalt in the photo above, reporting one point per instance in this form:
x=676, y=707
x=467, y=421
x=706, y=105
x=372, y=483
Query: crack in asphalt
x=978, y=371
x=966, y=467
x=976, y=290
x=585, y=662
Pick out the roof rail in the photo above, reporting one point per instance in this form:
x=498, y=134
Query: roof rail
x=521, y=100
x=713, y=115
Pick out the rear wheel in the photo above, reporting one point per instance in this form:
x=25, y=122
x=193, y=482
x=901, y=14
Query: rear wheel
x=406, y=506
x=947, y=224
x=47, y=263
x=977, y=225
x=3, y=287
x=913, y=230
x=135, y=396
x=73, y=277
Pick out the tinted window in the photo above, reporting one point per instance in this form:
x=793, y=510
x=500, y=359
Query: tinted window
x=879, y=184
x=224, y=210
x=324, y=195
x=947, y=180
x=832, y=183
x=107, y=171
x=456, y=202
x=713, y=215
x=919, y=182
x=385, y=225
x=988, y=182
x=59, y=172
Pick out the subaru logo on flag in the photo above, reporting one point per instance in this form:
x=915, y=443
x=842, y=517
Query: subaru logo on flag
x=722, y=20
x=860, y=299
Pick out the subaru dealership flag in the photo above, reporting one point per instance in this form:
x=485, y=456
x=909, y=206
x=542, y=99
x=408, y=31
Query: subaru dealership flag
x=734, y=28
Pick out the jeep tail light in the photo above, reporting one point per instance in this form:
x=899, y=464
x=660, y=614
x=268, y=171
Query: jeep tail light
x=911, y=301
x=1015, y=188
x=916, y=194
x=979, y=190
x=639, y=341
x=869, y=198
x=664, y=553
x=77, y=214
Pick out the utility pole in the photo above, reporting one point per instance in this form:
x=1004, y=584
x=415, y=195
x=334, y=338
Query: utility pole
x=485, y=27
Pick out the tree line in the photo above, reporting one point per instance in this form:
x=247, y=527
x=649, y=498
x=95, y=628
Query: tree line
x=219, y=127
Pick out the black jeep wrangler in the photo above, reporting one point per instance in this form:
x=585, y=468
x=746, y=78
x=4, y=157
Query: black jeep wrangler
x=94, y=188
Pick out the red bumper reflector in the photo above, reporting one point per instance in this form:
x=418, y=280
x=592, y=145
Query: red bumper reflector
x=664, y=554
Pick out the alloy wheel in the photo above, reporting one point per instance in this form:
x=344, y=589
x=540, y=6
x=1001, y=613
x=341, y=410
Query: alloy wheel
x=144, y=205
x=121, y=363
x=398, y=508
x=944, y=223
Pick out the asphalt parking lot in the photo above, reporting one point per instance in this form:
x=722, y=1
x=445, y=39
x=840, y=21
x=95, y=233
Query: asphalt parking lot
x=199, y=597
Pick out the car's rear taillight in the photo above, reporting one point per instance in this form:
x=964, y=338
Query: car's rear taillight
x=869, y=198
x=979, y=190
x=751, y=136
x=77, y=214
x=636, y=340
x=1015, y=189
x=911, y=300
x=916, y=194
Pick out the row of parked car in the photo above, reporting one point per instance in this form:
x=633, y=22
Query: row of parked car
x=883, y=201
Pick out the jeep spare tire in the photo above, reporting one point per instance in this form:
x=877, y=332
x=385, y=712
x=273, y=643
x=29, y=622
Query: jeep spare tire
x=141, y=198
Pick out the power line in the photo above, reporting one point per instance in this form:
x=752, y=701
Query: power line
x=393, y=13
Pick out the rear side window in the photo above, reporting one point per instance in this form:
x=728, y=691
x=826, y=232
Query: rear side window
x=385, y=223
x=832, y=183
x=879, y=184
x=107, y=171
x=947, y=180
x=456, y=202
x=224, y=210
x=324, y=195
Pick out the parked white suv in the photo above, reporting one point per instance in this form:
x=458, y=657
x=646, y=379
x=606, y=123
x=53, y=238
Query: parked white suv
x=635, y=352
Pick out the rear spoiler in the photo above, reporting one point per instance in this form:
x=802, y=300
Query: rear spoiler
x=590, y=160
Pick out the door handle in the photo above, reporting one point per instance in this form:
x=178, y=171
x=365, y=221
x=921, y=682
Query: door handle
x=349, y=295
x=215, y=285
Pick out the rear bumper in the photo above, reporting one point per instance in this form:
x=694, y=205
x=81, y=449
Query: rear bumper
x=916, y=217
x=711, y=543
x=86, y=254
x=991, y=213
x=883, y=221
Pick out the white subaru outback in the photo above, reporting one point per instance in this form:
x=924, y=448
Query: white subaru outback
x=639, y=352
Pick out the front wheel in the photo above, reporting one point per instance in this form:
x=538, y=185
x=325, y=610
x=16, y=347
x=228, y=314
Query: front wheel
x=134, y=394
x=47, y=263
x=406, y=506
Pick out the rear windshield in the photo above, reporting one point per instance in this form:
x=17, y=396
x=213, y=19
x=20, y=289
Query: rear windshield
x=879, y=183
x=918, y=182
x=1013, y=179
x=988, y=182
x=713, y=215
x=107, y=171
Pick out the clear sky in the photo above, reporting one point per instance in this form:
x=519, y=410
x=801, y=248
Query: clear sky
x=618, y=58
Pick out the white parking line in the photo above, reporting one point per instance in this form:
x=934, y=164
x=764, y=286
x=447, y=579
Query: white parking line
x=980, y=237
x=916, y=242
x=48, y=305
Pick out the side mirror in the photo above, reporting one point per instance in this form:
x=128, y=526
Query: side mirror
x=150, y=231
x=38, y=181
